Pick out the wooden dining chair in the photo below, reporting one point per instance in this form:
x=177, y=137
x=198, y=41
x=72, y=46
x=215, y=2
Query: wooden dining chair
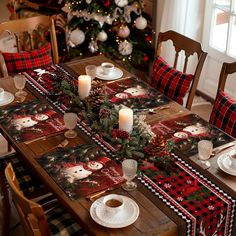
x=34, y=220
x=33, y=48
x=223, y=114
x=170, y=81
x=30, y=186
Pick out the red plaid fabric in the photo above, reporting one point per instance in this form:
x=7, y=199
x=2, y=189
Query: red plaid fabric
x=24, y=61
x=223, y=115
x=169, y=81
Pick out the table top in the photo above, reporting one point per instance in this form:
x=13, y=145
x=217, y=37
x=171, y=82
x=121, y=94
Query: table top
x=152, y=220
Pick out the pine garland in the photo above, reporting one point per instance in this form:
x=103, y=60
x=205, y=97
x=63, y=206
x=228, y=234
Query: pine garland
x=141, y=144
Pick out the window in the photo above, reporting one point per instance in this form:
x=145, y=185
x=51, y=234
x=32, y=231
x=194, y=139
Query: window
x=223, y=27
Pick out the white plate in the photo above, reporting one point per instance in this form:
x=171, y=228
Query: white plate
x=115, y=74
x=126, y=216
x=8, y=98
x=224, y=164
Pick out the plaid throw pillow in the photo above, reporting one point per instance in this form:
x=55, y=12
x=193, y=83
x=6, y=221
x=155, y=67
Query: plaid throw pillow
x=169, y=81
x=24, y=61
x=223, y=115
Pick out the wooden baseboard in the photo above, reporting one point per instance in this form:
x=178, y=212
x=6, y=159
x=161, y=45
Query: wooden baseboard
x=205, y=96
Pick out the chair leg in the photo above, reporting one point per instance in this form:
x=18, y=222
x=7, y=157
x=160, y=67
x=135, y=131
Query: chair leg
x=6, y=208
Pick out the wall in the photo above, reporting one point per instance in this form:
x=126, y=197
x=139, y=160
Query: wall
x=4, y=13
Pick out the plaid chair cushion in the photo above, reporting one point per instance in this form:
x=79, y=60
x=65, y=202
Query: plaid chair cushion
x=24, y=61
x=169, y=81
x=223, y=115
x=28, y=183
x=60, y=222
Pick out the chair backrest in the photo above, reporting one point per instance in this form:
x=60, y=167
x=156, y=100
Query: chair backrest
x=223, y=114
x=31, y=214
x=30, y=25
x=5, y=205
x=227, y=69
x=190, y=47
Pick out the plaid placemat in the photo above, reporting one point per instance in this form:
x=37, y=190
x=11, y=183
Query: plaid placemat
x=205, y=207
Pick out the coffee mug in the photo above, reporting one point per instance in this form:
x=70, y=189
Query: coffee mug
x=113, y=203
x=1, y=93
x=107, y=68
x=232, y=157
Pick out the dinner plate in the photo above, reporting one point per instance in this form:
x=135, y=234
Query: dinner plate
x=7, y=98
x=126, y=216
x=223, y=162
x=115, y=74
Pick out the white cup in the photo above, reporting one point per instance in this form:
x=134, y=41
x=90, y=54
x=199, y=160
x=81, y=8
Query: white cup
x=232, y=157
x=1, y=94
x=113, y=203
x=107, y=68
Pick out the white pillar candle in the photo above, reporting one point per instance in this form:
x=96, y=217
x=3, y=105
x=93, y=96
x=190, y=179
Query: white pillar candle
x=126, y=119
x=84, y=86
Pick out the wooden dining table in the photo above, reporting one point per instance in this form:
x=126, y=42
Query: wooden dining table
x=155, y=217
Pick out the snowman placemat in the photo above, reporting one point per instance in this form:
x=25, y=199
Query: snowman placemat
x=186, y=131
x=83, y=170
x=135, y=94
x=31, y=120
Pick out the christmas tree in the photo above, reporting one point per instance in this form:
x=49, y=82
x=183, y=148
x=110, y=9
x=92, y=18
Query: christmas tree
x=118, y=29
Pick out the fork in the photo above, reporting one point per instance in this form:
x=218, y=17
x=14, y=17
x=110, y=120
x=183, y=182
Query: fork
x=220, y=149
x=154, y=110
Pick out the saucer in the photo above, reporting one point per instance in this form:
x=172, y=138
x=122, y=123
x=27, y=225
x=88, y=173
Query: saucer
x=126, y=216
x=223, y=162
x=115, y=74
x=8, y=98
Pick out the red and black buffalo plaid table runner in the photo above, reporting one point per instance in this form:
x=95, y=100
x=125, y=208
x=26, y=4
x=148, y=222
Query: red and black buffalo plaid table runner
x=205, y=207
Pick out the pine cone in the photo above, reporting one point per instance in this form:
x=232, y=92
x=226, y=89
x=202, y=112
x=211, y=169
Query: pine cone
x=97, y=95
x=157, y=145
x=117, y=133
x=104, y=113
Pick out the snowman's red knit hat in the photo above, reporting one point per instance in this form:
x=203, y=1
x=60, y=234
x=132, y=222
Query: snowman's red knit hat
x=103, y=160
x=48, y=113
x=72, y=164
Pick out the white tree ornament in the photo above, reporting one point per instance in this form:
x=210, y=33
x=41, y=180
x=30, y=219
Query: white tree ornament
x=141, y=23
x=102, y=36
x=77, y=37
x=121, y=3
x=125, y=48
x=123, y=31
